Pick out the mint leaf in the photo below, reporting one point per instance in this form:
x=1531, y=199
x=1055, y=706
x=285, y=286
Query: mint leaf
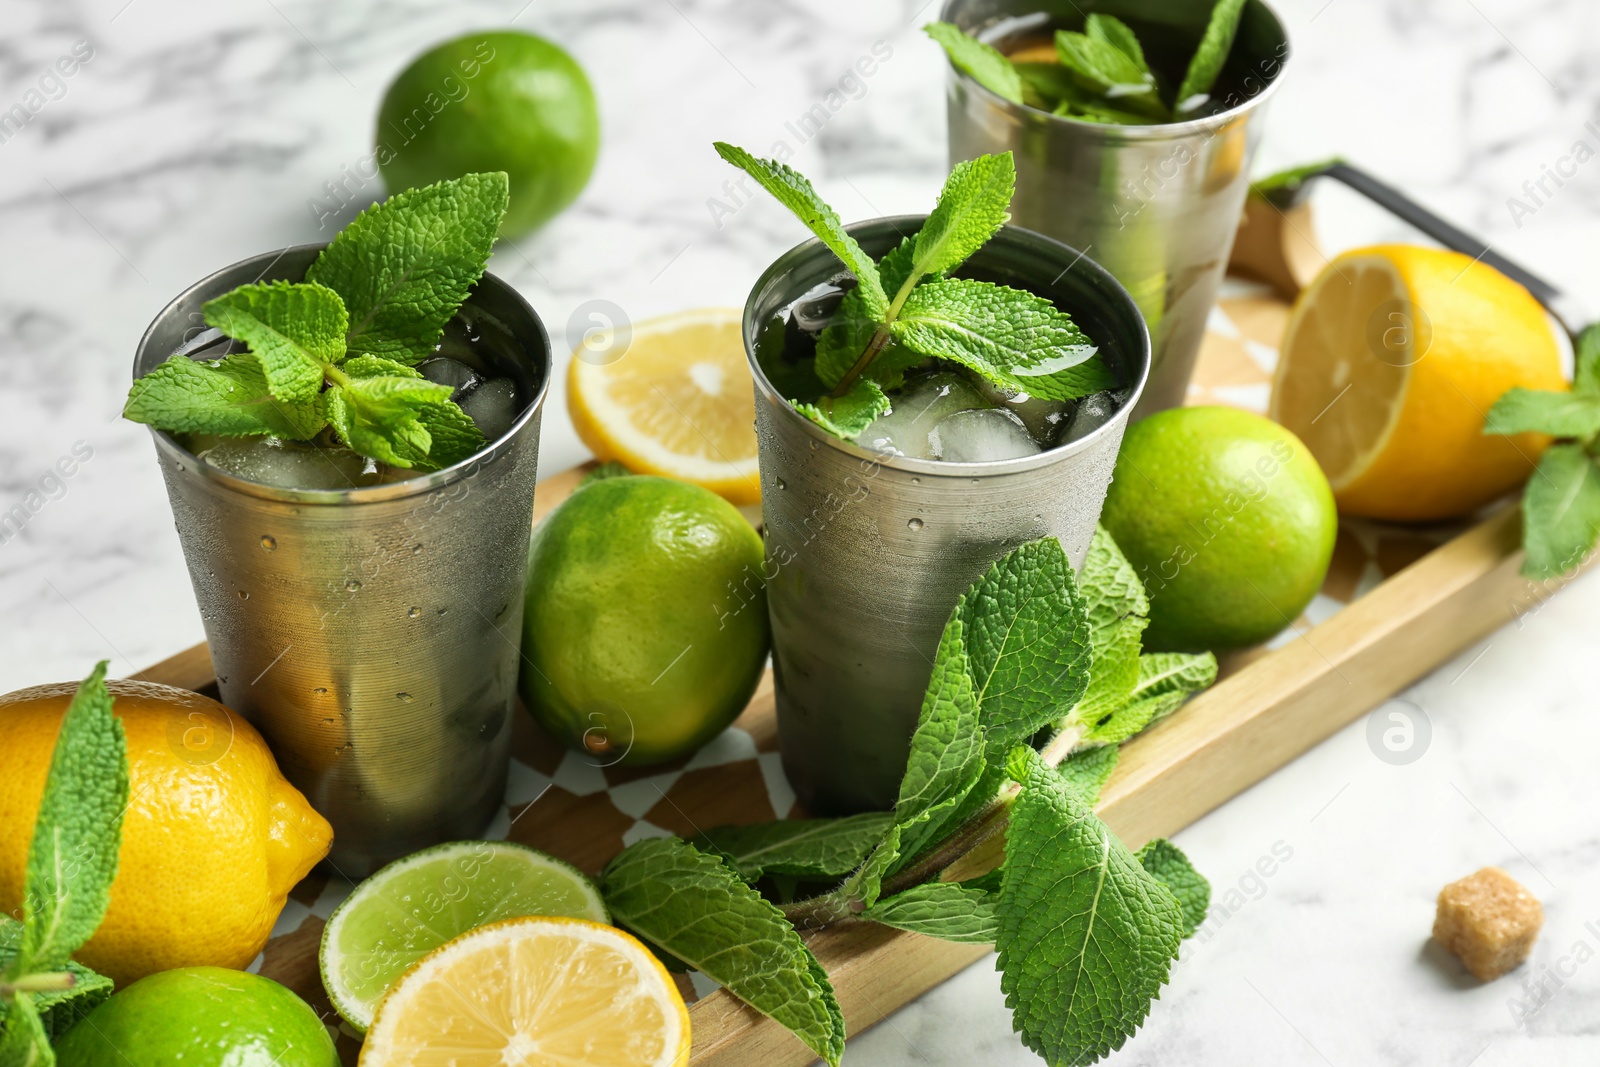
x=292, y=330
x=1010, y=337
x=228, y=398
x=1586, y=361
x=78, y=831
x=451, y=435
x=1110, y=72
x=946, y=910
x=806, y=848
x=971, y=209
x=378, y=367
x=983, y=64
x=1086, y=935
x=1027, y=642
x=1210, y=57
x=1087, y=770
x=847, y=335
x=846, y=416
x=25, y=1042
x=866, y=884
x=1540, y=411
x=404, y=266
x=1167, y=863
x=1560, y=512
x=947, y=748
x=1107, y=29
x=1118, y=611
x=1166, y=680
x=58, y=1011
x=379, y=417
x=695, y=907
x=794, y=192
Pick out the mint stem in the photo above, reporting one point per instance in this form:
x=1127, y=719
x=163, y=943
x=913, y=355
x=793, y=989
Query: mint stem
x=980, y=828
x=880, y=341
x=53, y=982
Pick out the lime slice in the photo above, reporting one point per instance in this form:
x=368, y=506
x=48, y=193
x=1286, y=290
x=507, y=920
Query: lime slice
x=418, y=903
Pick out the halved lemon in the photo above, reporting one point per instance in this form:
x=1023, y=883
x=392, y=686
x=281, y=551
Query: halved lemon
x=534, y=992
x=671, y=396
x=1391, y=360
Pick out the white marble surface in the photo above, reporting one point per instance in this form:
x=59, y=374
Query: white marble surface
x=198, y=133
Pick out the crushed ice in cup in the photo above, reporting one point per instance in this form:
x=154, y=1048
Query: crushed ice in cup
x=1043, y=418
x=919, y=406
x=1094, y=411
x=290, y=464
x=493, y=406
x=442, y=370
x=982, y=436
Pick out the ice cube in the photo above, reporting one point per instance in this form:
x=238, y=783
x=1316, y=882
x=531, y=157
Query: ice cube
x=919, y=405
x=816, y=306
x=1094, y=411
x=982, y=436
x=493, y=406
x=291, y=464
x=442, y=370
x=1043, y=418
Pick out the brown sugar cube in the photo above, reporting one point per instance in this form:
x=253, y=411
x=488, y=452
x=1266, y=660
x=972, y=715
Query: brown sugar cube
x=1489, y=921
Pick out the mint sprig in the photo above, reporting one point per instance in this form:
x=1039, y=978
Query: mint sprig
x=72, y=861
x=1101, y=74
x=335, y=353
x=905, y=311
x=1561, y=504
x=1087, y=931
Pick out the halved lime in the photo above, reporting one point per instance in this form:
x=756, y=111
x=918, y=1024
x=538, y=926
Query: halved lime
x=416, y=904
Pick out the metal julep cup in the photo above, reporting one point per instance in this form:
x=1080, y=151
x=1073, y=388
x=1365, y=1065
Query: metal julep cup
x=868, y=553
x=1157, y=206
x=370, y=634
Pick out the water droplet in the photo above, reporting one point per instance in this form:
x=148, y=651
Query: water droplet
x=329, y=721
x=781, y=483
x=414, y=613
x=269, y=542
x=416, y=550
x=914, y=524
x=916, y=481
x=243, y=595
x=178, y=465
x=813, y=446
x=352, y=586
x=404, y=698
x=320, y=691
x=441, y=611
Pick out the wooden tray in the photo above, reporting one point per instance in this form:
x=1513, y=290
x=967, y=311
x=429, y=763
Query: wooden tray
x=1396, y=604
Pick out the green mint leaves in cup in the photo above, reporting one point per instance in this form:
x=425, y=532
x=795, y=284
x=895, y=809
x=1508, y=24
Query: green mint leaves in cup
x=334, y=358
x=1100, y=74
x=72, y=861
x=906, y=312
x=993, y=839
x=1561, y=505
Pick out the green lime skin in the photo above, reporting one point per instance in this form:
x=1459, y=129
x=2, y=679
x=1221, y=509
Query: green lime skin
x=493, y=101
x=200, y=1017
x=1228, y=520
x=645, y=628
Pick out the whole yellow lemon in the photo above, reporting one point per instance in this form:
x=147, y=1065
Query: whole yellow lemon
x=213, y=839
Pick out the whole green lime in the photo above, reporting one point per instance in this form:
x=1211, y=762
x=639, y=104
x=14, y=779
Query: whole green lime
x=645, y=628
x=200, y=1017
x=493, y=101
x=1229, y=521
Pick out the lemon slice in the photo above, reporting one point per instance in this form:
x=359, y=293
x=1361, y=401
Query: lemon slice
x=1391, y=359
x=676, y=401
x=535, y=992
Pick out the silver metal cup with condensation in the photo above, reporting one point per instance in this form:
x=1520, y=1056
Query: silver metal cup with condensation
x=867, y=553
x=1157, y=206
x=371, y=634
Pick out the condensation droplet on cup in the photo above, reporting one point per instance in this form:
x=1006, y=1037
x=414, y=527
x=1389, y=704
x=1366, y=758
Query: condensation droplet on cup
x=320, y=691
x=781, y=483
x=416, y=550
x=269, y=542
x=352, y=586
x=414, y=613
x=914, y=524
x=404, y=698
x=244, y=594
x=441, y=611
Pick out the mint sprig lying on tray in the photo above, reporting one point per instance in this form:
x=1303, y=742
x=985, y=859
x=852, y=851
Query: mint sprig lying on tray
x=335, y=354
x=72, y=861
x=993, y=840
x=1561, y=504
x=905, y=310
x=1100, y=75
